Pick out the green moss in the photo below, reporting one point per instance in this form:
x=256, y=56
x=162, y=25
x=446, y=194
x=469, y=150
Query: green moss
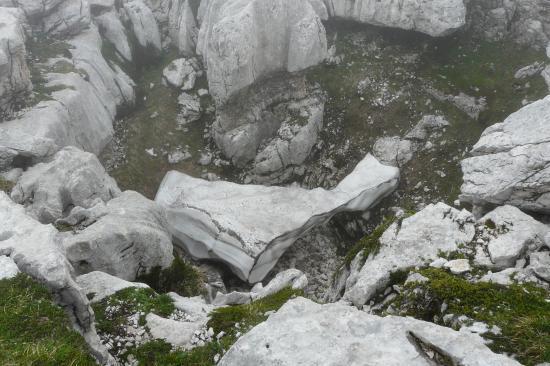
x=180, y=277
x=62, y=227
x=369, y=244
x=522, y=312
x=35, y=331
x=224, y=319
x=6, y=185
x=128, y=302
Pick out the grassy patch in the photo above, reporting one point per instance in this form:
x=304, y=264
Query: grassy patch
x=223, y=319
x=181, y=278
x=128, y=302
x=521, y=311
x=35, y=331
x=6, y=185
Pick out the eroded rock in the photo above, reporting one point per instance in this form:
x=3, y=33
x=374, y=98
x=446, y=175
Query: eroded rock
x=510, y=162
x=242, y=41
x=305, y=333
x=249, y=227
x=436, y=18
x=71, y=178
x=416, y=241
x=128, y=238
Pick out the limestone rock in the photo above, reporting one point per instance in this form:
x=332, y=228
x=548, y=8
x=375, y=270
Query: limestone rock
x=242, y=41
x=15, y=79
x=69, y=18
x=99, y=285
x=112, y=29
x=182, y=27
x=283, y=114
x=81, y=112
x=292, y=278
x=435, y=18
x=71, y=178
x=305, y=333
x=517, y=234
x=128, y=240
x=177, y=333
x=416, y=241
x=458, y=266
x=395, y=151
x=249, y=227
x=8, y=268
x=510, y=162
x=181, y=73
x=190, y=108
x=540, y=264
x=144, y=24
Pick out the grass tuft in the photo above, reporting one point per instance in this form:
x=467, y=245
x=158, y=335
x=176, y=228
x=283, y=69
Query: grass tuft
x=35, y=331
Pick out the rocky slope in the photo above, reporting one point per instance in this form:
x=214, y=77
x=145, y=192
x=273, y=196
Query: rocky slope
x=260, y=91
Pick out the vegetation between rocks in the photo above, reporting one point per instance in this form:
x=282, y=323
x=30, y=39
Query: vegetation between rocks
x=522, y=312
x=181, y=278
x=126, y=303
x=6, y=185
x=232, y=320
x=34, y=330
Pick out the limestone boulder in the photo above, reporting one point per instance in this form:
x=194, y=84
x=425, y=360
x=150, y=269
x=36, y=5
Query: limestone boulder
x=510, y=163
x=72, y=178
x=249, y=227
x=128, y=238
x=306, y=333
x=15, y=79
x=243, y=41
x=416, y=241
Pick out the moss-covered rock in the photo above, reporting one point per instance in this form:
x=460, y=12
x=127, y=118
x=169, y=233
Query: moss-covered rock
x=232, y=321
x=521, y=312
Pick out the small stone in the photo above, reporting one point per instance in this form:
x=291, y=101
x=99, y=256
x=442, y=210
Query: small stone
x=458, y=266
x=438, y=263
x=416, y=278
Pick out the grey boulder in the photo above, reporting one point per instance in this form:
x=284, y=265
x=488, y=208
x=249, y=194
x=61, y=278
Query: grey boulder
x=416, y=241
x=511, y=162
x=249, y=227
x=15, y=78
x=128, y=238
x=435, y=18
x=99, y=285
x=242, y=41
x=306, y=333
x=72, y=178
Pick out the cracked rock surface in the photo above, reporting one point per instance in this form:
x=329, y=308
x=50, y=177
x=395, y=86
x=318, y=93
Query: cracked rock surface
x=249, y=227
x=510, y=162
x=305, y=333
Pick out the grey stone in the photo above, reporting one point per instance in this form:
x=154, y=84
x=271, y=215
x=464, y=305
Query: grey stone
x=71, y=178
x=249, y=227
x=128, y=239
x=305, y=333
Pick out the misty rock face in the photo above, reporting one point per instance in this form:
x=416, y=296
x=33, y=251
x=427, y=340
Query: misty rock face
x=144, y=24
x=510, y=162
x=242, y=41
x=249, y=227
x=306, y=333
x=14, y=74
x=433, y=17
